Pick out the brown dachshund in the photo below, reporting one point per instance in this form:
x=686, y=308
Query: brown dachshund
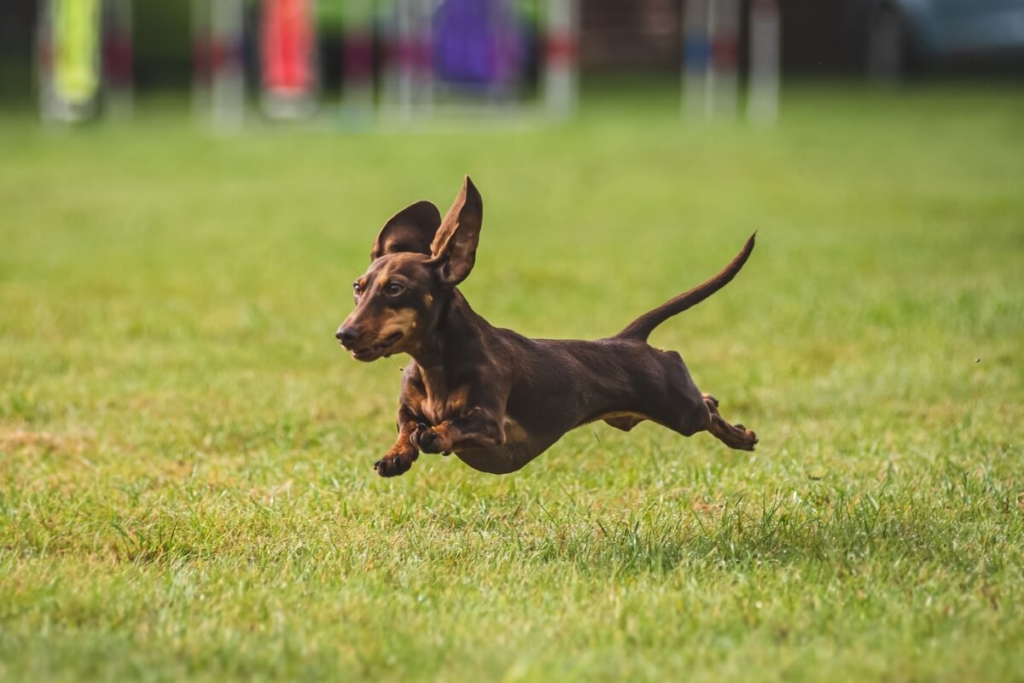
x=494, y=397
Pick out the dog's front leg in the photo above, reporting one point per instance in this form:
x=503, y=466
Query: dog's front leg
x=480, y=428
x=399, y=459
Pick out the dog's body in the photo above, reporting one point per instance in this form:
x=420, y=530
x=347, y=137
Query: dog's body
x=495, y=398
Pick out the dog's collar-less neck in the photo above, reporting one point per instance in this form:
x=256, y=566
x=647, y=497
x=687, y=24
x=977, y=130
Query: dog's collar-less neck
x=454, y=341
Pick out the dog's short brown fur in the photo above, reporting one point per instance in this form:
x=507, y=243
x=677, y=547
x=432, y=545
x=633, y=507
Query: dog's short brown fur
x=494, y=397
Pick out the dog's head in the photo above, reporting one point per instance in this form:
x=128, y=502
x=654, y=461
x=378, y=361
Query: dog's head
x=417, y=261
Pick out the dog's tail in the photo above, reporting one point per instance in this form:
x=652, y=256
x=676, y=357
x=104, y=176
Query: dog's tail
x=642, y=327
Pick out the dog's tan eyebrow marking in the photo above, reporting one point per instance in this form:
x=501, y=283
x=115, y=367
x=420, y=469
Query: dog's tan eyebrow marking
x=428, y=299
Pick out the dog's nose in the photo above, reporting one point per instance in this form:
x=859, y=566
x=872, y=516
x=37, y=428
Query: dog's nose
x=346, y=335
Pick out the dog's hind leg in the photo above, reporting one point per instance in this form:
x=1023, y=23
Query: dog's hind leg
x=684, y=409
x=734, y=436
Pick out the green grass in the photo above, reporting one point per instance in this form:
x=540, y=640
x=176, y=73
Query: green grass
x=186, y=482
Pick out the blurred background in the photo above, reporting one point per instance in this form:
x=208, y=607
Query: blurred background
x=77, y=56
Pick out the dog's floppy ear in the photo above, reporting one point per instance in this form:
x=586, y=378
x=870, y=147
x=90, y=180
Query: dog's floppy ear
x=454, y=248
x=411, y=229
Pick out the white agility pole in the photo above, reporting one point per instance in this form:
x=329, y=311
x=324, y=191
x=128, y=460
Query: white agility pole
x=400, y=72
x=219, y=33
x=696, y=59
x=118, y=52
x=725, y=29
x=765, y=55
x=710, y=53
x=357, y=78
x=421, y=62
x=200, y=21
x=561, y=41
x=408, y=86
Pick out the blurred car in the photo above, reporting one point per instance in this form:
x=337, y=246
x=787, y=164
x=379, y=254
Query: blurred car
x=897, y=36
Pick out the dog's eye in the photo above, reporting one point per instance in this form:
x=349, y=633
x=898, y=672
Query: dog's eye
x=357, y=289
x=393, y=289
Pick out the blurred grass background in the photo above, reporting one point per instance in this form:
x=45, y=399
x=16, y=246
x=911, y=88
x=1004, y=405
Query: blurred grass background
x=186, y=483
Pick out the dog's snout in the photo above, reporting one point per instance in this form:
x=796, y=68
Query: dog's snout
x=347, y=335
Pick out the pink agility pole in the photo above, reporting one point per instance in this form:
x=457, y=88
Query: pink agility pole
x=288, y=57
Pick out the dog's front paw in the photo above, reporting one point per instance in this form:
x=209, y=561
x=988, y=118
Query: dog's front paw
x=392, y=465
x=429, y=440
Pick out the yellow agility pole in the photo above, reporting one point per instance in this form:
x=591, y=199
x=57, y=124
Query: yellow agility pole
x=75, y=40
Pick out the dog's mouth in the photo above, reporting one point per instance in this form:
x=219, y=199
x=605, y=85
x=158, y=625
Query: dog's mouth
x=375, y=351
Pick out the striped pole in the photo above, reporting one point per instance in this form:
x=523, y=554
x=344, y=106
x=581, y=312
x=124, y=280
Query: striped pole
x=44, y=56
x=400, y=58
x=118, y=57
x=725, y=29
x=219, y=64
x=765, y=57
x=697, y=59
x=409, y=66
x=357, y=79
x=422, y=55
x=561, y=53
x=711, y=57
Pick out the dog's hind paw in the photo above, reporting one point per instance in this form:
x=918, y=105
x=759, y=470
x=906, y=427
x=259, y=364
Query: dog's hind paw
x=429, y=440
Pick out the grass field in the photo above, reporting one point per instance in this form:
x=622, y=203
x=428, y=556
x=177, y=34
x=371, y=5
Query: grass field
x=186, y=482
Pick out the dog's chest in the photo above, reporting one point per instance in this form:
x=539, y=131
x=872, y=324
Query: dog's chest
x=438, y=407
x=433, y=411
